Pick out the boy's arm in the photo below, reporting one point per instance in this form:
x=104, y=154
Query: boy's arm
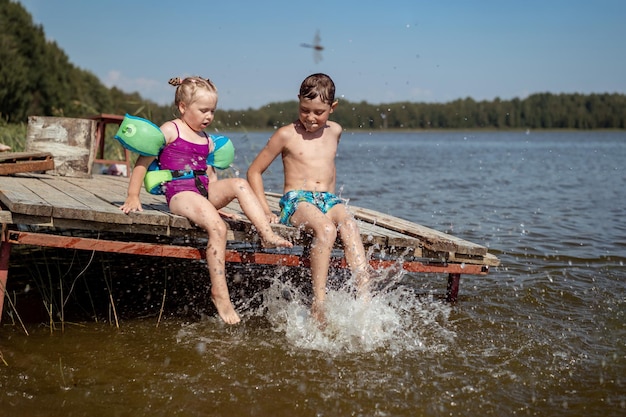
x=255, y=174
x=132, y=202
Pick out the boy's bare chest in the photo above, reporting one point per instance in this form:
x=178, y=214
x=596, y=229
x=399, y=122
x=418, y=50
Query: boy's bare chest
x=315, y=148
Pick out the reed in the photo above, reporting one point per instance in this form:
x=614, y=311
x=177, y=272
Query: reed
x=42, y=275
x=13, y=135
x=109, y=283
x=12, y=305
x=55, y=277
x=80, y=274
x=62, y=373
x=162, y=300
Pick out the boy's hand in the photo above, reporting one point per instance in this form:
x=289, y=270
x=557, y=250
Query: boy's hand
x=272, y=218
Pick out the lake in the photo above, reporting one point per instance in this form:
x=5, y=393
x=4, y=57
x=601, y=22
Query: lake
x=542, y=334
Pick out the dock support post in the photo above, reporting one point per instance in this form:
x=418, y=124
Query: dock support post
x=453, y=287
x=5, y=252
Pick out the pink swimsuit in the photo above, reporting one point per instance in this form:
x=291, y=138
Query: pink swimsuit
x=185, y=156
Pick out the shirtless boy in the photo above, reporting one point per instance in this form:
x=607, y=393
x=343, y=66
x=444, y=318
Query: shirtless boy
x=308, y=148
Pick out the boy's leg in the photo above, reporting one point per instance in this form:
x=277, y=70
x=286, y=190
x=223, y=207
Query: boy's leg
x=224, y=191
x=199, y=211
x=324, y=235
x=353, y=248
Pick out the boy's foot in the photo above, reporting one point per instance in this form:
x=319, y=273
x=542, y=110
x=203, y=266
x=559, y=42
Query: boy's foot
x=4, y=148
x=226, y=310
x=363, y=285
x=317, y=312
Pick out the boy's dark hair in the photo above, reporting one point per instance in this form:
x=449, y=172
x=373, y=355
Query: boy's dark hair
x=318, y=85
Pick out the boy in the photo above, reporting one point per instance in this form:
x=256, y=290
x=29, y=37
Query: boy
x=308, y=147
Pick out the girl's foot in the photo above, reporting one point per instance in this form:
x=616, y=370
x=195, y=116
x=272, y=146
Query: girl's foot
x=276, y=241
x=226, y=310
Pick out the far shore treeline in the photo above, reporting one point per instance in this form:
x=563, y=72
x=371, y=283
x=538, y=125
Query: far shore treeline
x=37, y=78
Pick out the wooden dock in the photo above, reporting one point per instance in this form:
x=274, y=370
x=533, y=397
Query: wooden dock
x=74, y=213
x=50, y=197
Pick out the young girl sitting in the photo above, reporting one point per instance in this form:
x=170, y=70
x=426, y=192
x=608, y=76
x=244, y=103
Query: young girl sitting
x=199, y=198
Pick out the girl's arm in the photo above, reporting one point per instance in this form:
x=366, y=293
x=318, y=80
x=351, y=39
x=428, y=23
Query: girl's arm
x=133, y=203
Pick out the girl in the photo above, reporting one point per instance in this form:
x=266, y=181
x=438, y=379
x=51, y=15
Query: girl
x=187, y=148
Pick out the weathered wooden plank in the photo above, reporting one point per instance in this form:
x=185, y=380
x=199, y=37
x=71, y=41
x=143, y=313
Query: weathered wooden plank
x=6, y=217
x=18, y=198
x=370, y=232
x=96, y=226
x=27, y=219
x=431, y=239
x=490, y=260
x=73, y=202
x=118, y=188
x=108, y=192
x=155, y=209
x=63, y=205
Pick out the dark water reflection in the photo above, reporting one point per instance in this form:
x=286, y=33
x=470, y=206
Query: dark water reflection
x=544, y=334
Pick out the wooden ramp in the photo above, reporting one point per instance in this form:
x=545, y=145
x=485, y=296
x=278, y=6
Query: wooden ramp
x=76, y=212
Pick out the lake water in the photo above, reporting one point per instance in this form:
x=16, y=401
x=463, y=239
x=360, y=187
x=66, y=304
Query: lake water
x=543, y=334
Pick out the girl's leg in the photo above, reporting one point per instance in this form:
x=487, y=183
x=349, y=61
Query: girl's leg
x=324, y=235
x=199, y=211
x=224, y=191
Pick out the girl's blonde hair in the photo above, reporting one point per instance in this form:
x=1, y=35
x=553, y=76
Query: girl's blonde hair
x=188, y=88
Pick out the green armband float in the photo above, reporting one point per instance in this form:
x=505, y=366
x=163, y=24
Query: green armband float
x=140, y=136
x=223, y=154
x=156, y=177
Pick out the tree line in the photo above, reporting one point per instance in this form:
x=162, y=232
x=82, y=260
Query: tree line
x=538, y=111
x=37, y=78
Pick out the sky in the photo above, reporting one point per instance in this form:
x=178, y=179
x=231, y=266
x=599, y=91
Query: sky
x=379, y=52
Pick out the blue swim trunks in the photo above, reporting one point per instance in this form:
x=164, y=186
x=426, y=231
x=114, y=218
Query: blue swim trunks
x=289, y=203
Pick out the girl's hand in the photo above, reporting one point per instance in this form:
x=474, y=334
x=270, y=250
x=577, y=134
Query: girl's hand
x=132, y=204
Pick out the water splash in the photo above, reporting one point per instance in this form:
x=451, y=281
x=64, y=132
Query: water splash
x=393, y=319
